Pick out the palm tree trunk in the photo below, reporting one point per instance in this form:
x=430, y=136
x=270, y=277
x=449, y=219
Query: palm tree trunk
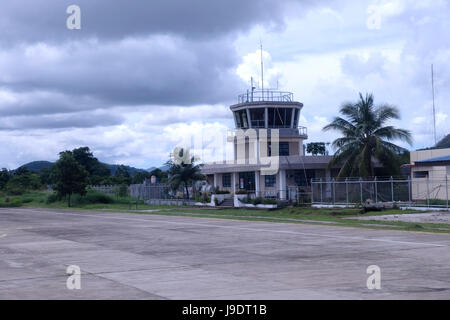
x=187, y=190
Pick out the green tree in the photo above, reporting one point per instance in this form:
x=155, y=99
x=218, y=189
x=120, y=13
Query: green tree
x=316, y=148
x=365, y=137
x=45, y=176
x=69, y=176
x=22, y=180
x=140, y=176
x=4, y=178
x=182, y=173
x=97, y=170
x=122, y=176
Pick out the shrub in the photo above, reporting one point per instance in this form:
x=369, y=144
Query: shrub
x=216, y=201
x=10, y=204
x=245, y=200
x=51, y=198
x=97, y=197
x=14, y=188
x=206, y=198
x=122, y=190
x=222, y=192
x=270, y=201
x=257, y=201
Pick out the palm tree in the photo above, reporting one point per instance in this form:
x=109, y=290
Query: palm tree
x=184, y=173
x=365, y=137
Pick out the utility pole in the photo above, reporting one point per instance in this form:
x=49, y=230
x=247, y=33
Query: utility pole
x=434, y=108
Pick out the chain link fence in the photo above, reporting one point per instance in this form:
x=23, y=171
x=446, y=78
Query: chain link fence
x=423, y=192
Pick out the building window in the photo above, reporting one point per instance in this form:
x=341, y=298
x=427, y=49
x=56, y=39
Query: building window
x=270, y=181
x=284, y=148
x=280, y=117
x=226, y=180
x=257, y=118
x=420, y=174
x=241, y=119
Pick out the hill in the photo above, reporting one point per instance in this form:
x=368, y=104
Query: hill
x=444, y=143
x=37, y=166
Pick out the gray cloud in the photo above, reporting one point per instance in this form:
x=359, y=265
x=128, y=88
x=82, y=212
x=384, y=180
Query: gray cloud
x=59, y=121
x=24, y=20
x=151, y=71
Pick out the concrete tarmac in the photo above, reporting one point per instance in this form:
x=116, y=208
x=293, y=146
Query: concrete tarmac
x=138, y=256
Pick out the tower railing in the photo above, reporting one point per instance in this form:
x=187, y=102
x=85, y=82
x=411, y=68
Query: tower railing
x=266, y=95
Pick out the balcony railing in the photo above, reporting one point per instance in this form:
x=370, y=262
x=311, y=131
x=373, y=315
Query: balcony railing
x=266, y=95
x=303, y=131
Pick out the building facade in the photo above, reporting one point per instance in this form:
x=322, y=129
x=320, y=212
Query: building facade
x=430, y=172
x=269, y=149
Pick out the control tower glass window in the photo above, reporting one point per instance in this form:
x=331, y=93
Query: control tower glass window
x=257, y=117
x=296, y=114
x=241, y=119
x=280, y=117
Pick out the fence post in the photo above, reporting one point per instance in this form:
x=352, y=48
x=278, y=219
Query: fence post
x=446, y=188
x=346, y=189
x=376, y=190
x=360, y=189
x=334, y=190
x=321, y=191
x=428, y=191
x=392, y=188
x=312, y=192
x=409, y=190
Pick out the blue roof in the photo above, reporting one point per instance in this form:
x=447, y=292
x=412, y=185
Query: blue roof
x=438, y=159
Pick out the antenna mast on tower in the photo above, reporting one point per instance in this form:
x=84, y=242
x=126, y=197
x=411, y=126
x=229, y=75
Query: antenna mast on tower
x=262, y=71
x=434, y=108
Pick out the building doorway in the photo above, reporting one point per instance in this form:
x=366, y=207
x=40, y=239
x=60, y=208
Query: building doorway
x=247, y=181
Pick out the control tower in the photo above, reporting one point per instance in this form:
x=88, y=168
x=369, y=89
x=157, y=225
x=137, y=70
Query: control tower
x=267, y=110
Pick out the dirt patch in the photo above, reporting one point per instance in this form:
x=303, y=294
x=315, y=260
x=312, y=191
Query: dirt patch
x=430, y=217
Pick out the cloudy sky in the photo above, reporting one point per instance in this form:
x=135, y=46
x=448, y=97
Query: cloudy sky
x=142, y=76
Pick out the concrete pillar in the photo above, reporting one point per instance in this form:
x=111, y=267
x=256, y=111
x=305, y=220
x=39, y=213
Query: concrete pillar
x=266, y=117
x=234, y=182
x=215, y=180
x=282, y=184
x=257, y=183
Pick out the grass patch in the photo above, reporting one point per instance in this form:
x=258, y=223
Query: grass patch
x=306, y=215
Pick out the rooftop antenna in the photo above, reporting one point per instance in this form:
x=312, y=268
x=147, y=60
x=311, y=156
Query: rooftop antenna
x=262, y=71
x=434, y=108
x=253, y=88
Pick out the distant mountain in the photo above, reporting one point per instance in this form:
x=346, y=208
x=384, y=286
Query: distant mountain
x=444, y=143
x=164, y=168
x=37, y=166
x=131, y=170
